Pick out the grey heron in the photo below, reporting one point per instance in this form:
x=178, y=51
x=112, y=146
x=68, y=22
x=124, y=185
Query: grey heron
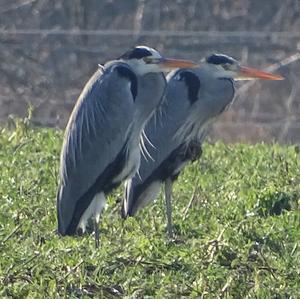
x=101, y=142
x=193, y=99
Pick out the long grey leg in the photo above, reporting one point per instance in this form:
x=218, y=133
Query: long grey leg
x=168, y=198
x=97, y=233
x=99, y=204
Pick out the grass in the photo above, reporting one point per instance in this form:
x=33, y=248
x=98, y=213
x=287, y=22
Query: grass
x=236, y=215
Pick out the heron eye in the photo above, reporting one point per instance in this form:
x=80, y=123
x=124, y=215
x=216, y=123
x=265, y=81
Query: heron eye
x=226, y=66
x=147, y=60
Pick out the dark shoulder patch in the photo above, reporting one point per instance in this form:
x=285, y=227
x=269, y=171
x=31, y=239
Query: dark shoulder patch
x=136, y=53
x=124, y=71
x=220, y=59
x=193, y=84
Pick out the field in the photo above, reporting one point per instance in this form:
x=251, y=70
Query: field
x=236, y=215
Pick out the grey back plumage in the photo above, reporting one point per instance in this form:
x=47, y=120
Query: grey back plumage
x=182, y=119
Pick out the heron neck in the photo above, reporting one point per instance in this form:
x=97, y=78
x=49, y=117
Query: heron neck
x=151, y=88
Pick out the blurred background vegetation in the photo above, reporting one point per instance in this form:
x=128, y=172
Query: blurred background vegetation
x=48, y=50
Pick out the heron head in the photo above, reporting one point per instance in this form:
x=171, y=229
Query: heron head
x=147, y=60
x=228, y=67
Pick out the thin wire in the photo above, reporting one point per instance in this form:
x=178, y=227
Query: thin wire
x=161, y=33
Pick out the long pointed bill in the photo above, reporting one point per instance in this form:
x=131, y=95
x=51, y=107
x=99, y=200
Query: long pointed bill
x=170, y=64
x=246, y=73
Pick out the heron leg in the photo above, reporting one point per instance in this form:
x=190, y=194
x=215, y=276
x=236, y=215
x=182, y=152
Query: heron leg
x=168, y=198
x=97, y=233
x=99, y=204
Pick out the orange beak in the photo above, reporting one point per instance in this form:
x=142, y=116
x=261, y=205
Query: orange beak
x=246, y=73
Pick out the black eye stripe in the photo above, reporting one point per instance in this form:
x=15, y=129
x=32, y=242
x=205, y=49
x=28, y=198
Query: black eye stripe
x=219, y=59
x=136, y=53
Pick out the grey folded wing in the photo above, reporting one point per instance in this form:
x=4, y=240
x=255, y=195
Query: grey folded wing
x=95, y=134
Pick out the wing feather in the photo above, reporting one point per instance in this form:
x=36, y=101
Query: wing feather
x=94, y=136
